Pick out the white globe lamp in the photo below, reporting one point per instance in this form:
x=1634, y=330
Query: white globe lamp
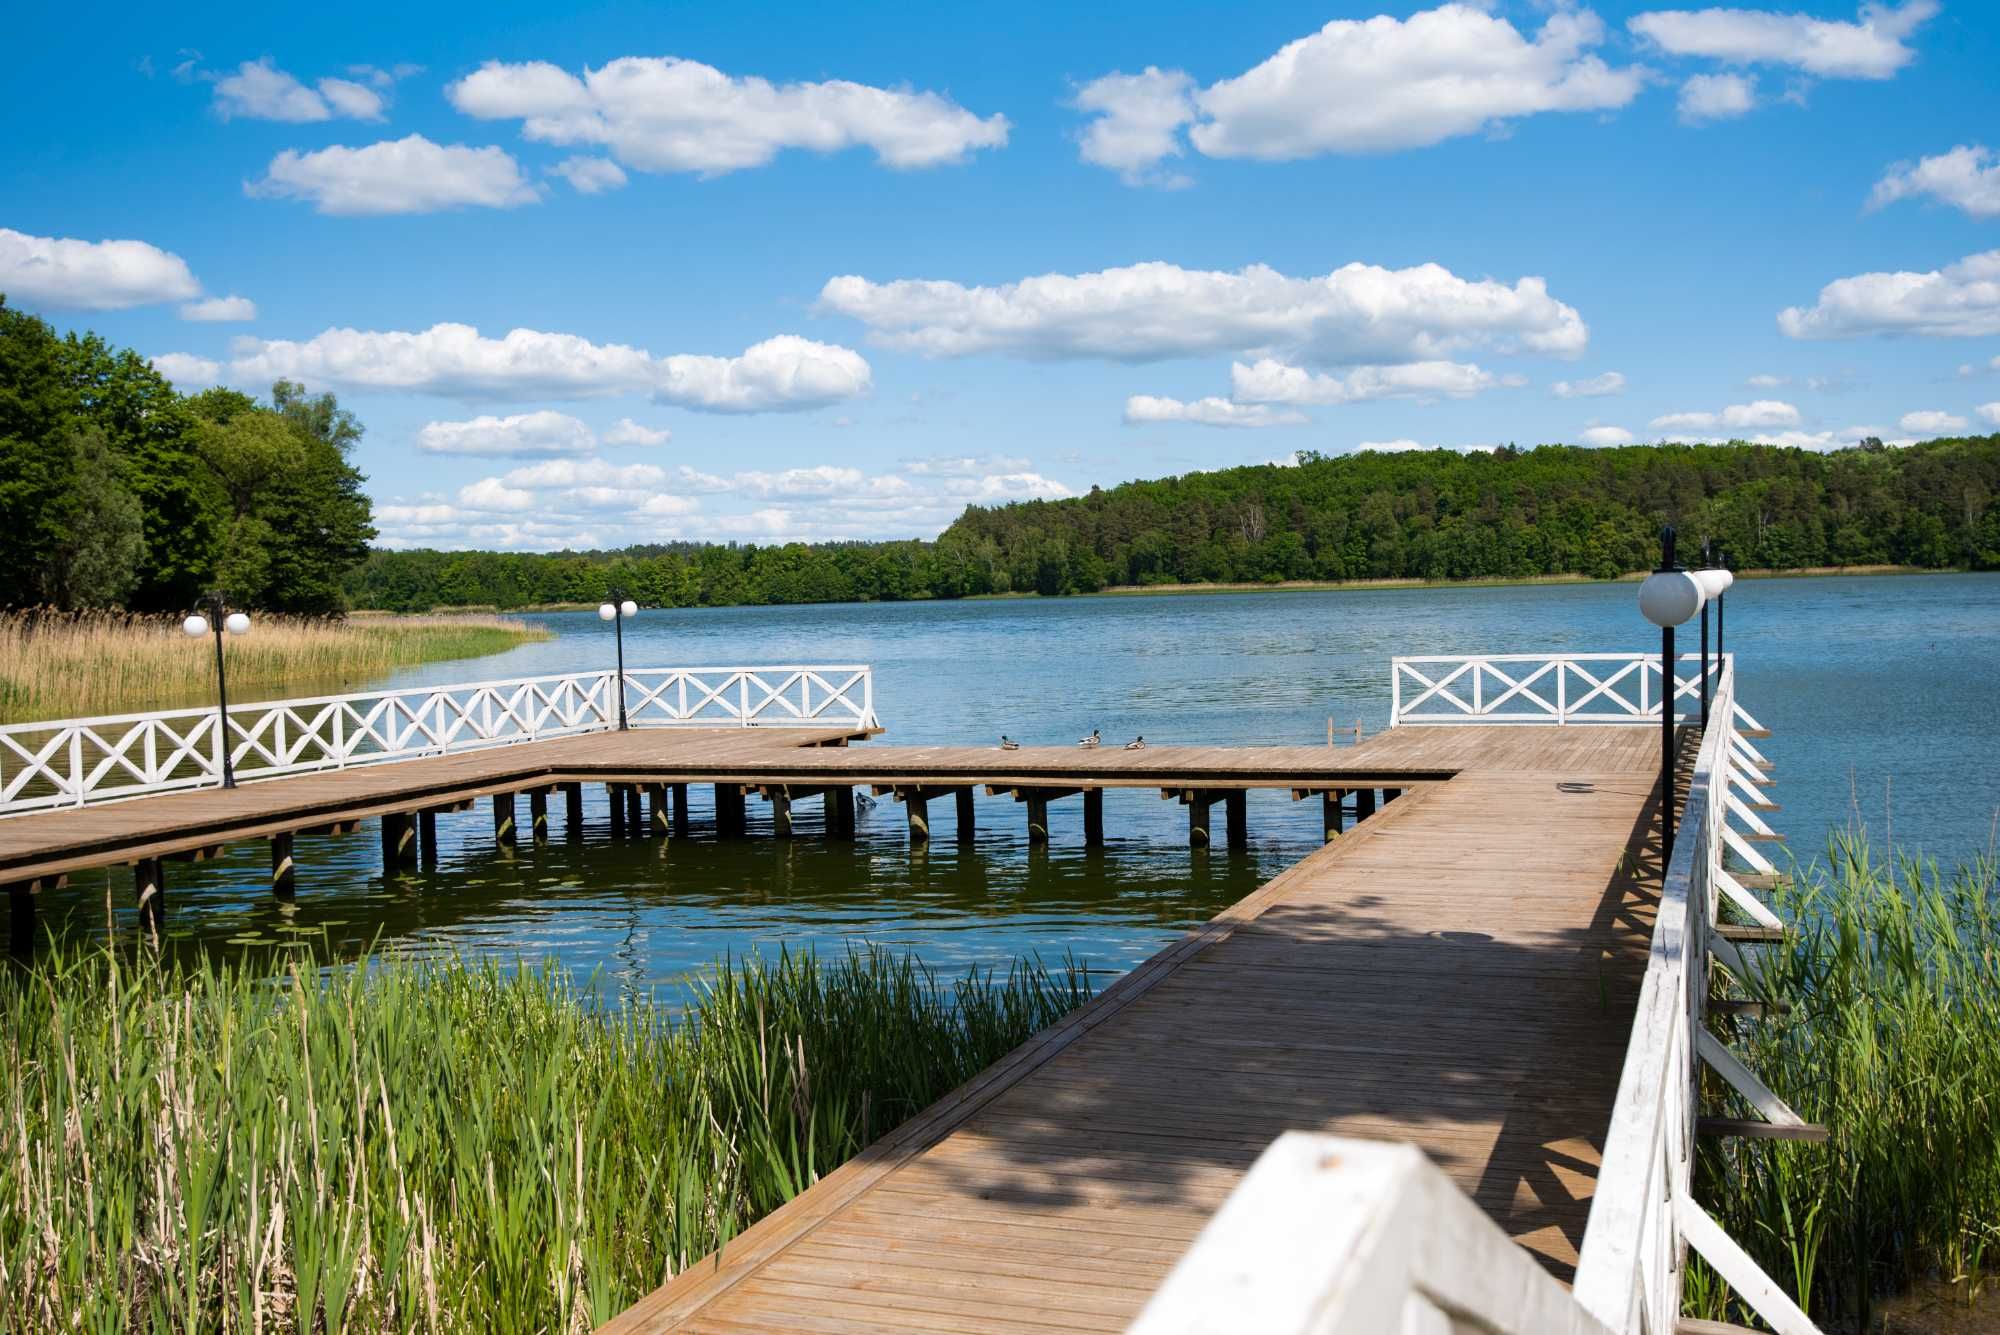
x=237, y=623
x=629, y=608
x=195, y=625
x=606, y=611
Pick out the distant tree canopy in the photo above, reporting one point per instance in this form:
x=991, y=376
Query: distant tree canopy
x=1428, y=514
x=116, y=491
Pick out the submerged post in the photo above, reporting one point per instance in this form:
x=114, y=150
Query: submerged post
x=1093, y=818
x=572, y=811
x=967, y=827
x=284, y=874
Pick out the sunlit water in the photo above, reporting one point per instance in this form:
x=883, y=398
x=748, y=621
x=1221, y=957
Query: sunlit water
x=1880, y=691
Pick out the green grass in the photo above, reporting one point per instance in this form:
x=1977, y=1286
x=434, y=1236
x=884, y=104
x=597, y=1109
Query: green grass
x=405, y=1145
x=1894, y=1045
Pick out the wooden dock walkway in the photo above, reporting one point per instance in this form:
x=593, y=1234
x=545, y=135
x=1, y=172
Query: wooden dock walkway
x=1458, y=971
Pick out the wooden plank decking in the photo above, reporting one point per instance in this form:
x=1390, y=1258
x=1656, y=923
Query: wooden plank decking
x=1458, y=971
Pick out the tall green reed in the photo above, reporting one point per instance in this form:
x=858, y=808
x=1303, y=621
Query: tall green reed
x=1892, y=973
x=405, y=1145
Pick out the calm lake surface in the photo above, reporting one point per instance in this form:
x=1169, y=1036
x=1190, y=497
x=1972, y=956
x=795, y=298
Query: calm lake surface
x=1881, y=693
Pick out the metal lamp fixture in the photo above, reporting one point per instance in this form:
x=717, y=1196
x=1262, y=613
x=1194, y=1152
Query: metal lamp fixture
x=615, y=612
x=1714, y=582
x=237, y=623
x=1668, y=598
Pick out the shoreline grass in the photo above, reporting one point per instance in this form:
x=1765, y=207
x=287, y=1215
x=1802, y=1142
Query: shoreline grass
x=1893, y=1044
x=58, y=666
x=396, y=1144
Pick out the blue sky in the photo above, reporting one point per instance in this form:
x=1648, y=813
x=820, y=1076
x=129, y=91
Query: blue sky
x=635, y=273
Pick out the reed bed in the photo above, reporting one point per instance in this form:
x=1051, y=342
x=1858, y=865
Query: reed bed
x=61, y=666
x=404, y=1145
x=1893, y=1043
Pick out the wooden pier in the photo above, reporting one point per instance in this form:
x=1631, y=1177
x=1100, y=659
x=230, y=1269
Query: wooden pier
x=1458, y=968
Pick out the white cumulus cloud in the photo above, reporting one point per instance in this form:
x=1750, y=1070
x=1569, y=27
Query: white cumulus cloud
x=1716, y=97
x=1872, y=47
x=625, y=431
x=590, y=176
x=1358, y=314
x=1767, y=381
x=259, y=90
x=1762, y=413
x=663, y=114
x=1145, y=409
x=456, y=361
x=1270, y=381
x=220, y=310
x=1961, y=300
x=90, y=275
x=1989, y=413
x=408, y=175
x=1931, y=422
x=1967, y=178
x=535, y=435
x=1600, y=436
x=1360, y=86
x=1594, y=387
x=184, y=369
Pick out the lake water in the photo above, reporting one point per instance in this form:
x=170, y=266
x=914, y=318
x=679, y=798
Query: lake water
x=1881, y=693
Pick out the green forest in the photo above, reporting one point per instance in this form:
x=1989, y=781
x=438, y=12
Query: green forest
x=1435, y=515
x=117, y=491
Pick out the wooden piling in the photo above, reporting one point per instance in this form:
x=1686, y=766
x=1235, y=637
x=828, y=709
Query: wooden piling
x=572, y=811
x=1038, y=818
x=149, y=887
x=616, y=800
x=656, y=804
x=635, y=819
x=21, y=917
x=1331, y=813
x=284, y=874
x=1236, y=807
x=1093, y=818
x=781, y=812
x=1197, y=805
x=840, y=812
x=1364, y=804
x=538, y=814
x=399, y=841
x=503, y=821
x=1390, y=794
x=968, y=827
x=729, y=814
x=917, y=806
x=680, y=793
x=427, y=838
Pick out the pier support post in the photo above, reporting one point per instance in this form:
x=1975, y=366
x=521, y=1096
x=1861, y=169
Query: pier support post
x=656, y=804
x=635, y=820
x=917, y=806
x=1198, y=819
x=399, y=841
x=284, y=875
x=781, y=812
x=572, y=811
x=729, y=818
x=1364, y=804
x=968, y=826
x=21, y=917
x=427, y=838
x=617, y=803
x=149, y=887
x=1038, y=819
x=538, y=815
x=1390, y=794
x=840, y=812
x=1093, y=818
x=1236, y=807
x=503, y=821
x=1332, y=813
x=680, y=792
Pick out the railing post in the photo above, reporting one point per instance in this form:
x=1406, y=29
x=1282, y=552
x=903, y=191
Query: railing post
x=1562, y=691
x=1395, y=691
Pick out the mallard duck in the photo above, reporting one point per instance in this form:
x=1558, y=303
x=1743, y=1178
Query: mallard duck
x=1008, y=743
x=1136, y=744
x=1093, y=740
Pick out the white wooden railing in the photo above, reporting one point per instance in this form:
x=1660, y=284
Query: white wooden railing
x=70, y=762
x=1341, y=1237
x=1540, y=688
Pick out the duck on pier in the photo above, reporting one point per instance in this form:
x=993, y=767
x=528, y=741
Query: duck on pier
x=1008, y=743
x=1136, y=744
x=1095, y=739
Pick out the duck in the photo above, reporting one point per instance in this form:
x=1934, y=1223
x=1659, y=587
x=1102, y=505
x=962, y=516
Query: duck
x=1008, y=743
x=1136, y=744
x=1095, y=739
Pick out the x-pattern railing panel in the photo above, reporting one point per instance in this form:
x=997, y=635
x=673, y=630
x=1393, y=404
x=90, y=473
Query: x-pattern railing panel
x=70, y=762
x=1541, y=688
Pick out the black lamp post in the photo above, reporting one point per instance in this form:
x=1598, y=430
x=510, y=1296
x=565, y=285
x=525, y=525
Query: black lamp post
x=237, y=623
x=615, y=612
x=1668, y=598
x=1707, y=560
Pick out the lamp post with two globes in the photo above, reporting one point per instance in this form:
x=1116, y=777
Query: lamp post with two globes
x=1668, y=598
x=615, y=612
x=1715, y=580
x=237, y=623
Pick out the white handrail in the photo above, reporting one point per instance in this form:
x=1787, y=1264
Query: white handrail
x=1541, y=688
x=71, y=762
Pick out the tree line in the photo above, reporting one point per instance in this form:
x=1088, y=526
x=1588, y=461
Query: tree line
x=118, y=491
x=1438, y=515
